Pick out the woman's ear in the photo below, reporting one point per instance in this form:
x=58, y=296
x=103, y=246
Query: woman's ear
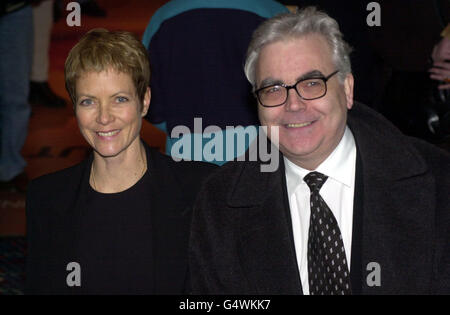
x=146, y=103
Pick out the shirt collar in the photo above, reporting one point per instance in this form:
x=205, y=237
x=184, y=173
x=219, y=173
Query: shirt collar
x=339, y=165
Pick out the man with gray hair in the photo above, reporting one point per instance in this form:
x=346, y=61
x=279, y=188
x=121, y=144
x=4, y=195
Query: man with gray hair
x=355, y=206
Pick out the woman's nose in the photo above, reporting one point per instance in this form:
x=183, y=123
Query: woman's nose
x=104, y=115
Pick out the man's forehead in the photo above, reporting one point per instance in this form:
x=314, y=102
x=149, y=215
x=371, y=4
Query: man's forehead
x=300, y=44
x=294, y=59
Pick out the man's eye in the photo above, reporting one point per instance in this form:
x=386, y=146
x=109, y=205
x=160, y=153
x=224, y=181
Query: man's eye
x=272, y=89
x=121, y=99
x=313, y=83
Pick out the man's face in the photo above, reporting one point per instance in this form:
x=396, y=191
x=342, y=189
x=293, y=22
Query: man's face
x=308, y=130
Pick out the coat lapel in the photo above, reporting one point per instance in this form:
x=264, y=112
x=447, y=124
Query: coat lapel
x=397, y=210
x=266, y=248
x=356, y=271
x=170, y=215
x=71, y=222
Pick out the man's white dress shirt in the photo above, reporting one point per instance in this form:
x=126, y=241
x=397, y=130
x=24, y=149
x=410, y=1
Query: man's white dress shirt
x=338, y=193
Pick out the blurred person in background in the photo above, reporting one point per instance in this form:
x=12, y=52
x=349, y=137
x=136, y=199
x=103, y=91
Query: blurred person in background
x=197, y=50
x=16, y=31
x=40, y=91
x=439, y=112
x=440, y=70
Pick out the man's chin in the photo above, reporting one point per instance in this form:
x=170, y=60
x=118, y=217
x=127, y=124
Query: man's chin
x=298, y=153
x=300, y=148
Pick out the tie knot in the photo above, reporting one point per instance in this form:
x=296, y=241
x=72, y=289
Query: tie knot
x=315, y=180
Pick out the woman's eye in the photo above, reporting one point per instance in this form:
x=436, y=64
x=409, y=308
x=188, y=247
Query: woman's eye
x=86, y=102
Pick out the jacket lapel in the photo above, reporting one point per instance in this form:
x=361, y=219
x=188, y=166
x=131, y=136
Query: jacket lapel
x=71, y=221
x=356, y=272
x=170, y=215
x=397, y=210
x=266, y=249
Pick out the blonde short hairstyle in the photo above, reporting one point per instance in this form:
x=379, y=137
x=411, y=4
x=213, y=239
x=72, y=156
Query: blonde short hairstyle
x=100, y=50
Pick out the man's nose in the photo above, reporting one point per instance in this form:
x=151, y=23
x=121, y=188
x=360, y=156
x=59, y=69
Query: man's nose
x=294, y=102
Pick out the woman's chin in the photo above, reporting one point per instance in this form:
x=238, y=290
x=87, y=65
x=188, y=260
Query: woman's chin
x=107, y=153
x=116, y=148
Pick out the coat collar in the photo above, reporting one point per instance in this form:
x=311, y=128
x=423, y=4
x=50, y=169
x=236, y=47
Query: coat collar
x=384, y=149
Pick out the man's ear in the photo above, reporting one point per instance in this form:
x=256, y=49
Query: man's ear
x=348, y=87
x=146, y=103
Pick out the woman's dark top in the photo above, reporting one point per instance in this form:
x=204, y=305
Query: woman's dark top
x=115, y=241
x=132, y=242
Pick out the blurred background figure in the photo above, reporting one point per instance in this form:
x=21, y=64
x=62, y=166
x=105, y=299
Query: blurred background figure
x=197, y=51
x=409, y=31
x=40, y=91
x=441, y=60
x=16, y=32
x=440, y=94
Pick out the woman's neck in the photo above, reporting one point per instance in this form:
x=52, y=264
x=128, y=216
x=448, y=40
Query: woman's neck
x=118, y=173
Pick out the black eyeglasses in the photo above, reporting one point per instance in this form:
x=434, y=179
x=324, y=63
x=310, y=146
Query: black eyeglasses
x=308, y=89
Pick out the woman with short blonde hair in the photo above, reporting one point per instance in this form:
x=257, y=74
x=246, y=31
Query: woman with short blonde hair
x=121, y=217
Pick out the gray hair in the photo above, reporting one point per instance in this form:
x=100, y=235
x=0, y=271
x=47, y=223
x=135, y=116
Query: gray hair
x=294, y=25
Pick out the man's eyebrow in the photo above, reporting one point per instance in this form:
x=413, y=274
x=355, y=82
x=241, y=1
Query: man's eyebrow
x=311, y=74
x=271, y=81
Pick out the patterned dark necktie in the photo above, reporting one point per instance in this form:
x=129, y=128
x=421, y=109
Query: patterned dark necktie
x=328, y=271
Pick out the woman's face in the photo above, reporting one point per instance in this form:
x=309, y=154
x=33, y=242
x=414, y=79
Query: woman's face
x=109, y=112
